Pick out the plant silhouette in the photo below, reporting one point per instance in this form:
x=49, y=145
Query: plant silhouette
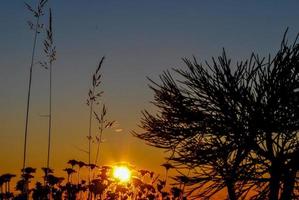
x=50, y=51
x=143, y=185
x=235, y=127
x=93, y=98
x=5, y=180
x=36, y=27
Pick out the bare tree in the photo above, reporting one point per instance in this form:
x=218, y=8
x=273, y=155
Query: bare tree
x=235, y=128
x=277, y=114
x=199, y=119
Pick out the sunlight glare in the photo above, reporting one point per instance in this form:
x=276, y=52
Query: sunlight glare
x=122, y=173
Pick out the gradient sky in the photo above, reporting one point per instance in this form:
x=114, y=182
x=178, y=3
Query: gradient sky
x=139, y=38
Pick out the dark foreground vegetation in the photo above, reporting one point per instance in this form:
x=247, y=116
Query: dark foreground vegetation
x=144, y=184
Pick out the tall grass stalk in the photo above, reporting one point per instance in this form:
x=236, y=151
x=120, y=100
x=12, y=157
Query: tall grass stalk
x=37, y=13
x=50, y=51
x=89, y=134
x=50, y=115
x=93, y=98
x=102, y=125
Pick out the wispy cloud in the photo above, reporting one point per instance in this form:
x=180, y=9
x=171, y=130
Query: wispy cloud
x=118, y=130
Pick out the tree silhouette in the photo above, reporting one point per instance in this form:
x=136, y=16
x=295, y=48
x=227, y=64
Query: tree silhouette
x=234, y=126
x=199, y=122
x=277, y=112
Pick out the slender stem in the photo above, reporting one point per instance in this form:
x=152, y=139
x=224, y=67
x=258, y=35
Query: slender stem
x=99, y=143
x=89, y=135
x=98, y=147
x=89, y=140
x=50, y=117
x=29, y=93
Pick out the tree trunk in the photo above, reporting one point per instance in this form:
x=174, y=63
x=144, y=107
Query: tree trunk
x=288, y=185
x=231, y=190
x=274, y=182
x=274, y=170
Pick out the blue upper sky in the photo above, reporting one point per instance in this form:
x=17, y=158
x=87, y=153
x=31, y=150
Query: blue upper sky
x=139, y=38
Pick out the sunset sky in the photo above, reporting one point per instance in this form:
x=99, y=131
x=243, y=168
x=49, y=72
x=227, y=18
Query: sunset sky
x=139, y=39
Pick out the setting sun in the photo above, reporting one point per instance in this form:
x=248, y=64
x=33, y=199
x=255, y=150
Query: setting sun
x=122, y=173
